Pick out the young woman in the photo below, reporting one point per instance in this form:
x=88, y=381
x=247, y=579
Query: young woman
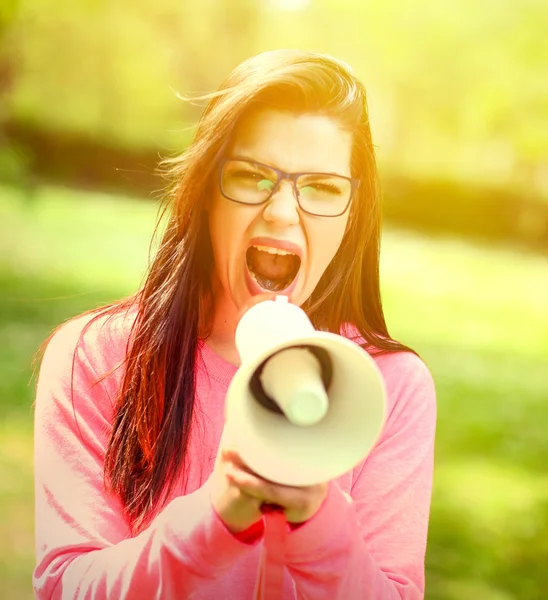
x=138, y=495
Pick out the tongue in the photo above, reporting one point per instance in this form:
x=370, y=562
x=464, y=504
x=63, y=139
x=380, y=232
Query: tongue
x=270, y=266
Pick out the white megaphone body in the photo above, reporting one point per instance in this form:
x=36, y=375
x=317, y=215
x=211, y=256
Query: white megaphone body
x=305, y=406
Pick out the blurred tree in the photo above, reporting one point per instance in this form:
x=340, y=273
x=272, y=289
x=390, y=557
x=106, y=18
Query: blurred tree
x=110, y=68
x=222, y=36
x=464, y=84
x=13, y=159
x=8, y=12
x=456, y=89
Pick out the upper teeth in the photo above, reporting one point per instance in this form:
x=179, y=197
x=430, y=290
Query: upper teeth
x=272, y=250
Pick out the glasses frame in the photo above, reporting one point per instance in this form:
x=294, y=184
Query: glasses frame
x=282, y=175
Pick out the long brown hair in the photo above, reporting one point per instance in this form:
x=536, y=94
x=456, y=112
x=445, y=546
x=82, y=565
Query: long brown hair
x=150, y=432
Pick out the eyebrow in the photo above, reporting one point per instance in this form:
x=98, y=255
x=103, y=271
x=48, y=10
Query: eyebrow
x=266, y=164
x=254, y=160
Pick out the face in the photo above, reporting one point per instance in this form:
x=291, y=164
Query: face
x=276, y=246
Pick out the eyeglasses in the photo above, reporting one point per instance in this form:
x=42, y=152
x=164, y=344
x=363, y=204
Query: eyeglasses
x=320, y=194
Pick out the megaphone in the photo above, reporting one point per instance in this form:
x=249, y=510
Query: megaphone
x=305, y=406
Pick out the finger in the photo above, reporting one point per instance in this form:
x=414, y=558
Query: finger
x=272, y=493
x=250, y=484
x=232, y=457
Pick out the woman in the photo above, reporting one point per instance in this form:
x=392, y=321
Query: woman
x=137, y=493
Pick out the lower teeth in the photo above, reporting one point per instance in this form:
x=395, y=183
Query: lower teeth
x=268, y=284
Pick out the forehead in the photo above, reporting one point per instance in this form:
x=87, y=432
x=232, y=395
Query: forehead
x=294, y=142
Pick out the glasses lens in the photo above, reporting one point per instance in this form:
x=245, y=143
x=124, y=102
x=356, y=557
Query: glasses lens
x=247, y=182
x=326, y=195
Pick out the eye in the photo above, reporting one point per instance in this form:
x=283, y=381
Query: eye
x=265, y=184
x=262, y=181
x=245, y=174
x=322, y=187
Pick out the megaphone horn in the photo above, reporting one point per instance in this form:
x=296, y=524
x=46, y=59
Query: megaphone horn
x=305, y=406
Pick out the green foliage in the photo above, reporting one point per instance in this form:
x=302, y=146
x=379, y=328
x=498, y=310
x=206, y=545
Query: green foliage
x=458, y=89
x=477, y=316
x=13, y=164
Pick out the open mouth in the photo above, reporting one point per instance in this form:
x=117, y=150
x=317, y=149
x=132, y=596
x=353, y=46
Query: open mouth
x=272, y=269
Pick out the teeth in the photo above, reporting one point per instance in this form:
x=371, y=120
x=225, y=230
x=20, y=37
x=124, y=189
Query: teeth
x=271, y=250
x=253, y=277
x=270, y=285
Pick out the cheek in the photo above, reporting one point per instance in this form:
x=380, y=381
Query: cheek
x=327, y=241
x=219, y=231
x=228, y=225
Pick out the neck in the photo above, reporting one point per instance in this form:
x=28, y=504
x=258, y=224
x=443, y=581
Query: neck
x=221, y=337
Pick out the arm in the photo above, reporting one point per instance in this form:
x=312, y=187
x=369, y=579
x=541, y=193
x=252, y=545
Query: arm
x=373, y=547
x=83, y=543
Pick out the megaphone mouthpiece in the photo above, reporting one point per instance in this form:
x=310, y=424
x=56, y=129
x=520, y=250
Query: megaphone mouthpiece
x=293, y=379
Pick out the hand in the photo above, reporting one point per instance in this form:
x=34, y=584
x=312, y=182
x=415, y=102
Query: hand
x=237, y=509
x=299, y=504
x=239, y=496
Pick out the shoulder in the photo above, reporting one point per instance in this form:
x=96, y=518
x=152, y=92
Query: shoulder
x=410, y=392
x=402, y=371
x=95, y=333
x=89, y=346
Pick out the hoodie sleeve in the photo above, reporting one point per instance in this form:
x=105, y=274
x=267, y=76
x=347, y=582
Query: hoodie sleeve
x=372, y=546
x=84, y=548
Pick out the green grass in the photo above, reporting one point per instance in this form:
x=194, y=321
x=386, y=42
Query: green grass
x=476, y=315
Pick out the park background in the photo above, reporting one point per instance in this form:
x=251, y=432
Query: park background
x=458, y=96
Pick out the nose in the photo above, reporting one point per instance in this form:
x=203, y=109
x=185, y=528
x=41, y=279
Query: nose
x=282, y=208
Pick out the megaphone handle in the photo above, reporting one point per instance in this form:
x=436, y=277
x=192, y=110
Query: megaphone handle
x=270, y=577
x=267, y=508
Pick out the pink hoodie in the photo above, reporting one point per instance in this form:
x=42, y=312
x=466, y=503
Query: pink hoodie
x=369, y=548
